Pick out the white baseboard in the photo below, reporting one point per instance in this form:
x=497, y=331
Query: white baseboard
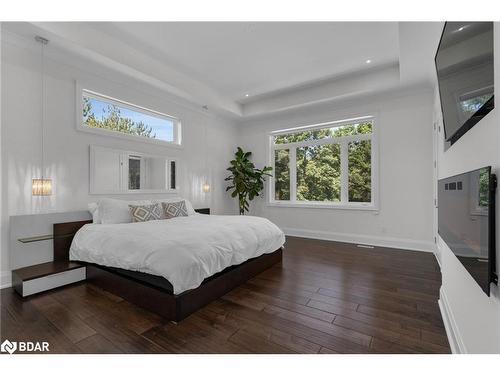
x=437, y=254
x=398, y=243
x=437, y=259
x=5, y=279
x=454, y=338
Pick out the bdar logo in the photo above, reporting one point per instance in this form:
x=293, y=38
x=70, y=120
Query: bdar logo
x=9, y=347
x=24, y=346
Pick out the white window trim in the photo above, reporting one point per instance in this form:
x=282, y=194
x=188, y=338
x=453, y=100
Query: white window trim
x=343, y=142
x=80, y=90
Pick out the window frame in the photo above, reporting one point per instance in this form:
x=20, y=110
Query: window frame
x=343, y=142
x=82, y=91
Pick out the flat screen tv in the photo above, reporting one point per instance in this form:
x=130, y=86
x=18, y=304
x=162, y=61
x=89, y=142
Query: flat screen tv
x=464, y=65
x=466, y=222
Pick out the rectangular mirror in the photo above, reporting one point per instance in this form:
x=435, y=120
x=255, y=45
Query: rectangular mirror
x=119, y=171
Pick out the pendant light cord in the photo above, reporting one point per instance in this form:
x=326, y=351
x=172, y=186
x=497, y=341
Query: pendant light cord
x=42, y=102
x=206, y=147
x=43, y=42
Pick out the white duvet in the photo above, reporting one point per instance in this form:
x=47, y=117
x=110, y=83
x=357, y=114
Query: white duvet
x=185, y=250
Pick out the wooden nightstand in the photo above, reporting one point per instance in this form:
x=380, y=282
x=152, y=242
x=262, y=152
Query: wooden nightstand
x=45, y=276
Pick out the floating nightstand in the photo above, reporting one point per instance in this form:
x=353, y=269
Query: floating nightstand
x=45, y=276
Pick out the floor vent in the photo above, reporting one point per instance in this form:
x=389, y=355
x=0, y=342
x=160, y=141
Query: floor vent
x=366, y=246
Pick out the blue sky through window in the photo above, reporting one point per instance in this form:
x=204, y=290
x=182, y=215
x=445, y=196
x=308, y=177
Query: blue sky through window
x=163, y=128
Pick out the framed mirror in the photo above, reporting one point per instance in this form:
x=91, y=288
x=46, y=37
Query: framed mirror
x=115, y=171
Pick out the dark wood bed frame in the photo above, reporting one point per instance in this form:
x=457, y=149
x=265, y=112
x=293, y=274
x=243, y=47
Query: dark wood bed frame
x=153, y=297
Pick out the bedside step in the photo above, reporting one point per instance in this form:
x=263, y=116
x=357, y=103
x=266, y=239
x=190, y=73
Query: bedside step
x=41, y=277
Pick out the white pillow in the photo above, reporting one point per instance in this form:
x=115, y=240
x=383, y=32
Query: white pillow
x=94, y=211
x=189, y=206
x=116, y=211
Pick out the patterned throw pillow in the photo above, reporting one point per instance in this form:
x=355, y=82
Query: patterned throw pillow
x=145, y=213
x=174, y=209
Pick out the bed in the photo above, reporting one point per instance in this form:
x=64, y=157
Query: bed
x=172, y=267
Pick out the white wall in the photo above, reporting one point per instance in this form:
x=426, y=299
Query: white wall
x=67, y=149
x=474, y=318
x=3, y=197
x=405, y=218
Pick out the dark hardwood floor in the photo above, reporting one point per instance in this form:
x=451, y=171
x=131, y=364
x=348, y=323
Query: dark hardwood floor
x=326, y=297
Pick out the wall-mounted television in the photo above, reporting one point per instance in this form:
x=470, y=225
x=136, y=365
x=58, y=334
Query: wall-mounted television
x=466, y=222
x=464, y=65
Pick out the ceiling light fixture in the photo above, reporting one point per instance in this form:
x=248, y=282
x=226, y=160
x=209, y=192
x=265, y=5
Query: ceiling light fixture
x=247, y=95
x=368, y=61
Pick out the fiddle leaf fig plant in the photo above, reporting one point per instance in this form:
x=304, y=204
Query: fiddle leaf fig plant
x=247, y=182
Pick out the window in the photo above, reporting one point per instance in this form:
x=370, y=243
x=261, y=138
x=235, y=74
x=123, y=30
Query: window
x=282, y=175
x=173, y=183
x=325, y=165
x=114, y=117
x=134, y=172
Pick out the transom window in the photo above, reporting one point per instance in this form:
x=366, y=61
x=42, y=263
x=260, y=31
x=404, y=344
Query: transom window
x=114, y=117
x=325, y=165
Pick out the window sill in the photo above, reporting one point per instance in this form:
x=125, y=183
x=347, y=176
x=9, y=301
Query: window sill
x=128, y=137
x=331, y=206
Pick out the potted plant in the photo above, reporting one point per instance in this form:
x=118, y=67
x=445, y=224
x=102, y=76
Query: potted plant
x=246, y=181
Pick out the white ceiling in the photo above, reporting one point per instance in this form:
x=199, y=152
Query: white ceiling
x=281, y=65
x=238, y=58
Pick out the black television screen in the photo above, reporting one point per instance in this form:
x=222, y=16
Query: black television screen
x=466, y=216
x=464, y=65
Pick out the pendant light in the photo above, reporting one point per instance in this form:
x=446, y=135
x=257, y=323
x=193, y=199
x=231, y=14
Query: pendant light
x=42, y=186
x=206, y=186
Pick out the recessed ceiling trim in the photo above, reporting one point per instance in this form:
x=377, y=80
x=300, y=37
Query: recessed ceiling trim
x=382, y=78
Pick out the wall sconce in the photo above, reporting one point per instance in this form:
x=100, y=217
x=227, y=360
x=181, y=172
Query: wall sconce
x=41, y=186
x=206, y=188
